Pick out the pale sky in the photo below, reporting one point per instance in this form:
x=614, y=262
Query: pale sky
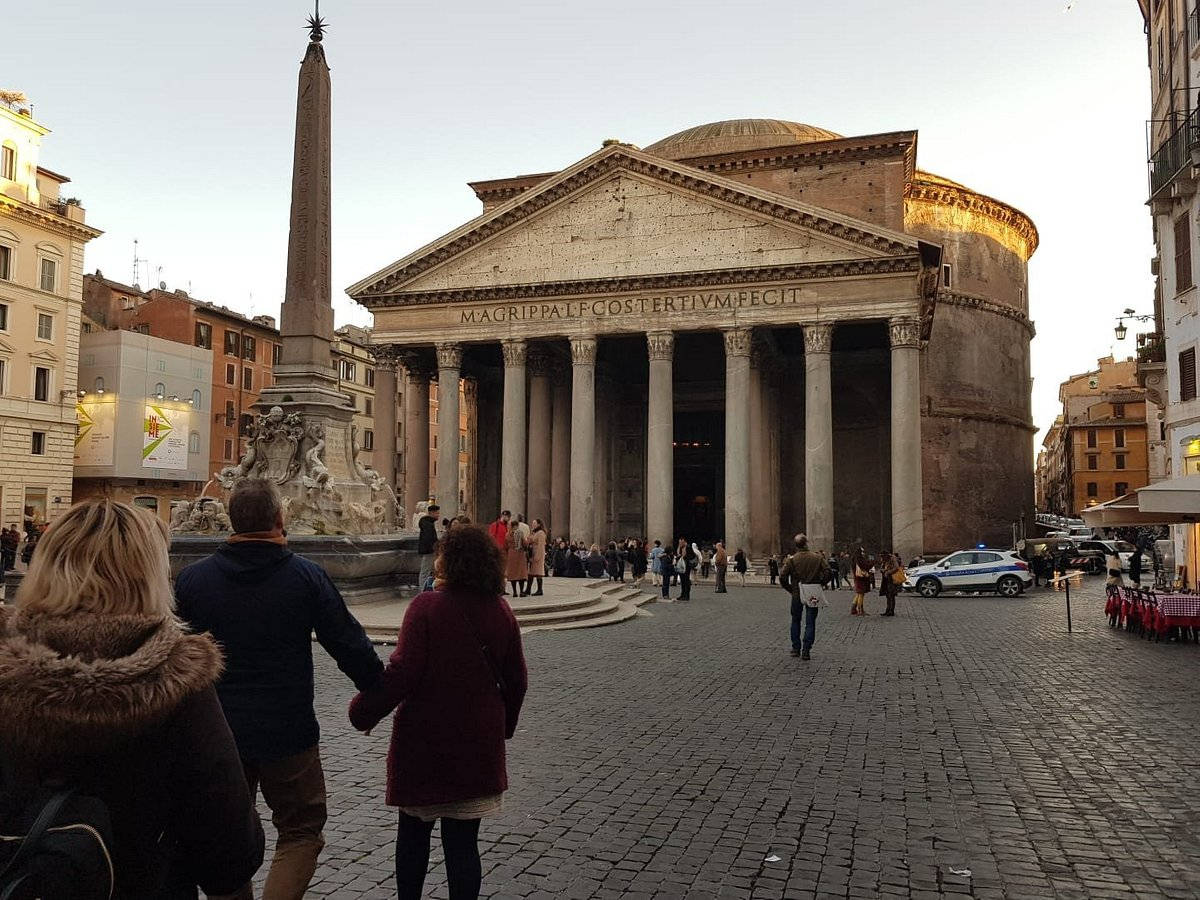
x=174, y=122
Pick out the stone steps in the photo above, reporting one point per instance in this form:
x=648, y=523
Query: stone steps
x=566, y=603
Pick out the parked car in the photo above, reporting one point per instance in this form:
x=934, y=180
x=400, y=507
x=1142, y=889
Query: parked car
x=981, y=569
x=1123, y=549
x=1089, y=561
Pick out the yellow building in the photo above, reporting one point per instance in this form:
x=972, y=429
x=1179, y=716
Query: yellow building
x=42, y=237
x=356, y=379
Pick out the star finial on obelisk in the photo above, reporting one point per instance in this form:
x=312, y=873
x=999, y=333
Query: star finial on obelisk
x=316, y=25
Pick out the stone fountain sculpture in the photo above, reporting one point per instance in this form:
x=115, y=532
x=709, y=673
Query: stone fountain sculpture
x=324, y=492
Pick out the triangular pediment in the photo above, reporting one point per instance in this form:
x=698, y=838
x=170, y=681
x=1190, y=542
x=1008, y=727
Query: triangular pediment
x=621, y=213
x=44, y=355
x=6, y=347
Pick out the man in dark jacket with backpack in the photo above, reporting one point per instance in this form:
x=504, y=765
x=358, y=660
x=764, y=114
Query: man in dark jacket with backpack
x=262, y=603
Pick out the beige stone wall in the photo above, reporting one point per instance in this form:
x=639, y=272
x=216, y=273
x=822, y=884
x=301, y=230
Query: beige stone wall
x=34, y=231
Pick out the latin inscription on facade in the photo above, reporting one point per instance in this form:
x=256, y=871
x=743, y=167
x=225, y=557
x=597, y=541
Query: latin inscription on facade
x=665, y=304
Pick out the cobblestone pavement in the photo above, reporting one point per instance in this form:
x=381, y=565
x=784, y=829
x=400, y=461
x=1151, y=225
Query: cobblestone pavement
x=688, y=755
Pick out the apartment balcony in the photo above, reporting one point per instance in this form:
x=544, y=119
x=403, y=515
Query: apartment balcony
x=1173, y=167
x=1151, y=348
x=1152, y=368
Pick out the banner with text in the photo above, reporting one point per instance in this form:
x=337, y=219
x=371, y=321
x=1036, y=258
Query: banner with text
x=94, y=439
x=164, y=438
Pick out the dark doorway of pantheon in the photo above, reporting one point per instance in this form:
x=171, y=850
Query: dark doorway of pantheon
x=699, y=471
x=699, y=383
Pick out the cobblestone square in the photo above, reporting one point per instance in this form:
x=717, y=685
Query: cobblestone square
x=969, y=747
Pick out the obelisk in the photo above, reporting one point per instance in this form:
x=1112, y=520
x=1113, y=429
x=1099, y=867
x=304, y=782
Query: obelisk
x=304, y=438
x=306, y=321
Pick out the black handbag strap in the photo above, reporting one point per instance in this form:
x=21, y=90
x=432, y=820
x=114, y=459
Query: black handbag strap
x=45, y=818
x=483, y=648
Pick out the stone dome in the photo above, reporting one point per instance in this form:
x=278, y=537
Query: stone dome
x=736, y=135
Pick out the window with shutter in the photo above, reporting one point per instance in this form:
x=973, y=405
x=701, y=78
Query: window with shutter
x=1183, y=254
x=1187, y=374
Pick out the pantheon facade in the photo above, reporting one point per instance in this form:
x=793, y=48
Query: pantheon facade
x=747, y=329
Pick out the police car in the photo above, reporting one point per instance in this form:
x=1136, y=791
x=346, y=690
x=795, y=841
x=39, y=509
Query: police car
x=980, y=569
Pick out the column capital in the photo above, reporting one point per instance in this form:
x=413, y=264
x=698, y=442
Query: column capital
x=583, y=351
x=387, y=356
x=818, y=337
x=737, y=341
x=449, y=355
x=514, y=350
x=660, y=344
x=905, y=331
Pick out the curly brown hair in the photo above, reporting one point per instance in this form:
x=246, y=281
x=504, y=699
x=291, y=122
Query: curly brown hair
x=469, y=561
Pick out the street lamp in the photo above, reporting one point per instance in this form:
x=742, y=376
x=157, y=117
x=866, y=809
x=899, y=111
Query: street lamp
x=1121, y=330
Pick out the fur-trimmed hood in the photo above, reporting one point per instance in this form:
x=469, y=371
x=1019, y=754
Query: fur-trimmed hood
x=90, y=681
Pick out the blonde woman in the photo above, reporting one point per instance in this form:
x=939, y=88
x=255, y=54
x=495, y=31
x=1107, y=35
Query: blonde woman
x=101, y=689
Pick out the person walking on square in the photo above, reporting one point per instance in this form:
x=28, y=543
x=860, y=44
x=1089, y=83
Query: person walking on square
x=537, y=557
x=262, y=603
x=687, y=555
x=773, y=568
x=1135, y=567
x=1113, y=563
x=10, y=539
x=656, y=553
x=667, y=560
x=427, y=538
x=499, y=531
x=721, y=564
x=861, y=564
x=891, y=574
x=801, y=576
x=637, y=560
x=612, y=560
x=103, y=691
x=741, y=565
x=456, y=681
x=844, y=568
x=516, y=567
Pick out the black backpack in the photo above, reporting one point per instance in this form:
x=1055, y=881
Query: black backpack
x=57, y=846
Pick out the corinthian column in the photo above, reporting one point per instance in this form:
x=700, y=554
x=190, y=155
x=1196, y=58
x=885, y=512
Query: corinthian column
x=660, y=439
x=416, y=430
x=818, y=435
x=539, y=435
x=560, y=456
x=908, y=518
x=513, y=448
x=762, y=539
x=583, y=437
x=471, y=488
x=737, y=438
x=449, y=359
x=386, y=363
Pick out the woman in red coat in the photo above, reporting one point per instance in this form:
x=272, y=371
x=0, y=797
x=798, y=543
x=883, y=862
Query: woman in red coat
x=456, y=680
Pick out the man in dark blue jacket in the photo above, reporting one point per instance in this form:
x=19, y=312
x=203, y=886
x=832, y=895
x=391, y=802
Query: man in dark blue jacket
x=263, y=603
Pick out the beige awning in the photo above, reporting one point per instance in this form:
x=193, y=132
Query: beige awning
x=1170, y=502
x=1174, y=495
